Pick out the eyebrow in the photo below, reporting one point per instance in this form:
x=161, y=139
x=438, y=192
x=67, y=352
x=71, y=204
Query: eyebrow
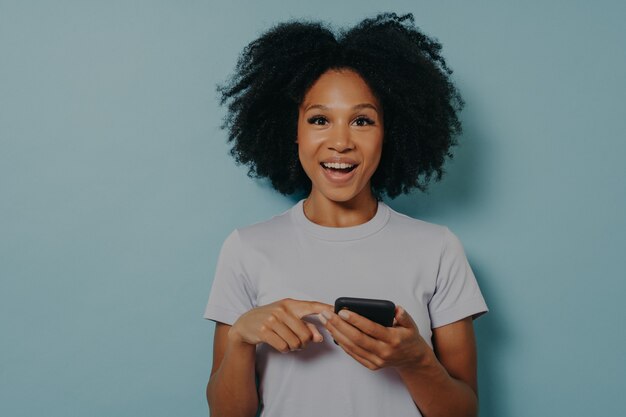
x=356, y=107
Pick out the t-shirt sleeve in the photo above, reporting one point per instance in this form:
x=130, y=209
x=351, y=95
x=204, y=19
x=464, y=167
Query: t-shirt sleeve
x=231, y=292
x=457, y=294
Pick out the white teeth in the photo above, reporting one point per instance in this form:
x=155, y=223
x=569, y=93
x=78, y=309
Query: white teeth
x=336, y=165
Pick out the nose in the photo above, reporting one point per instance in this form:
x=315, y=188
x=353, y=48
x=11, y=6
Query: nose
x=340, y=139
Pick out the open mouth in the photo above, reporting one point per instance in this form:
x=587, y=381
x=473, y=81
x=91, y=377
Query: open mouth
x=338, y=168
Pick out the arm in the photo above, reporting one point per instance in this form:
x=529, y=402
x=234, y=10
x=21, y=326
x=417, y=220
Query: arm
x=441, y=382
x=444, y=380
x=231, y=390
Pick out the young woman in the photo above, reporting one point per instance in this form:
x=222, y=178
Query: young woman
x=344, y=119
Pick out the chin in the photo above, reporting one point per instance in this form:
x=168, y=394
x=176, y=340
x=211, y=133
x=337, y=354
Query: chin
x=340, y=196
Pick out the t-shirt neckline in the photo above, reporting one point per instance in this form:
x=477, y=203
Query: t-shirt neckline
x=341, y=233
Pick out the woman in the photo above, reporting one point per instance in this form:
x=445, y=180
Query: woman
x=344, y=119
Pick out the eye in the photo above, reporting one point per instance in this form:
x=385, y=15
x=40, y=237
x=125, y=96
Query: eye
x=363, y=121
x=317, y=120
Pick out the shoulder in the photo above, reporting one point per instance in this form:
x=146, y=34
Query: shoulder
x=407, y=227
x=262, y=231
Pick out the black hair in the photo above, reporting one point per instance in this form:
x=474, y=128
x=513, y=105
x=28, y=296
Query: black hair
x=402, y=66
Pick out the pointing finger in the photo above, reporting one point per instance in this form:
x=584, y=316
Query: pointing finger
x=306, y=308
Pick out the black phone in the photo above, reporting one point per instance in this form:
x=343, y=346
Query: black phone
x=379, y=311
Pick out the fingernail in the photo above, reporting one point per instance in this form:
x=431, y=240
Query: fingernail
x=322, y=318
x=326, y=314
x=344, y=314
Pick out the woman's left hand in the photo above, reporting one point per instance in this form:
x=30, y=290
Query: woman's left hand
x=376, y=346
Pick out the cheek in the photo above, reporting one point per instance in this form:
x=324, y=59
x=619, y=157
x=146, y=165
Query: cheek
x=304, y=144
x=374, y=150
x=306, y=152
x=308, y=144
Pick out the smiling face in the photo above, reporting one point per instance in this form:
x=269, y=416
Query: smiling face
x=340, y=136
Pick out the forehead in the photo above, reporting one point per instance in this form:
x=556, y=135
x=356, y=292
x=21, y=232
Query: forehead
x=338, y=88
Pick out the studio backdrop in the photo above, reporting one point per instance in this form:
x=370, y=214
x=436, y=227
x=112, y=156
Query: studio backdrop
x=117, y=191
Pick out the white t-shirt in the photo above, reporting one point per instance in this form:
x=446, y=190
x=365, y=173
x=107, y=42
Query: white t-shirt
x=418, y=265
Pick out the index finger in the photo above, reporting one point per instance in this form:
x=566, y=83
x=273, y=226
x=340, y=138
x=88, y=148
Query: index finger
x=307, y=308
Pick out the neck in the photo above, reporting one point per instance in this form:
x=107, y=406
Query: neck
x=331, y=213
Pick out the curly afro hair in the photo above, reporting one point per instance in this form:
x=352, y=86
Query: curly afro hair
x=402, y=66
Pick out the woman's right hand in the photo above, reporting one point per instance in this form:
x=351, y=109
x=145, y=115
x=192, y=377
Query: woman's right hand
x=279, y=324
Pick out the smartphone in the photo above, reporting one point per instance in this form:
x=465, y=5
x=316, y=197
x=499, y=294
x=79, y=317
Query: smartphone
x=379, y=311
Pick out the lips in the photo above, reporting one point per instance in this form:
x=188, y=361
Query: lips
x=339, y=167
x=340, y=160
x=339, y=176
x=339, y=164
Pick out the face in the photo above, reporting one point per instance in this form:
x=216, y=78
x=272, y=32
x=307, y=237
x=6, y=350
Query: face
x=340, y=136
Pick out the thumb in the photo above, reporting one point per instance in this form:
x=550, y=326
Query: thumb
x=403, y=319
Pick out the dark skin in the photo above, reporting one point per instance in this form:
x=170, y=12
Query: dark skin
x=341, y=118
x=232, y=390
x=442, y=382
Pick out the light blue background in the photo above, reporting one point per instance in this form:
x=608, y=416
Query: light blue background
x=116, y=192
